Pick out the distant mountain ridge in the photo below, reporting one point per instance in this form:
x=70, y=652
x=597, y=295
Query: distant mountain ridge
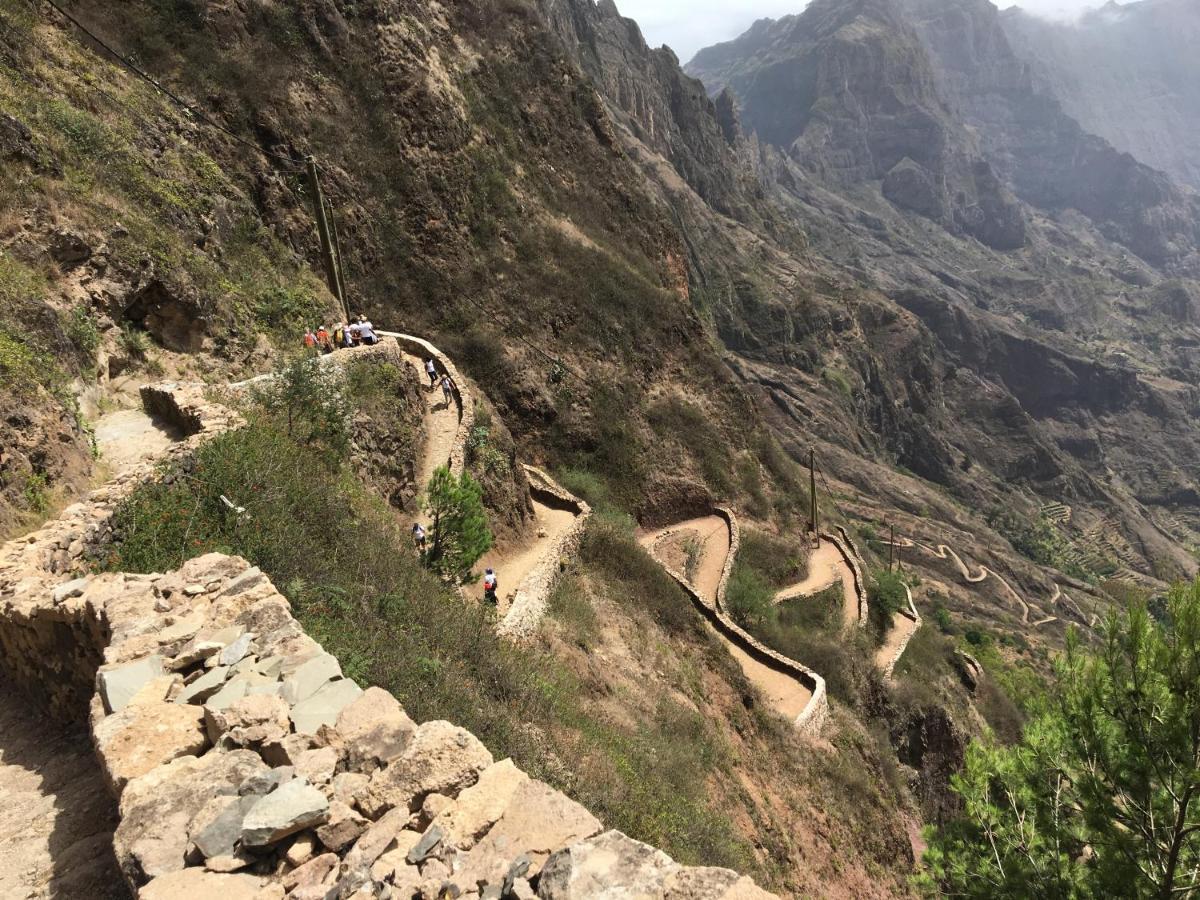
x=1127, y=72
x=930, y=97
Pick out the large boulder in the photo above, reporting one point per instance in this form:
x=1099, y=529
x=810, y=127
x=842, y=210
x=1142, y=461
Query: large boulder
x=142, y=737
x=441, y=757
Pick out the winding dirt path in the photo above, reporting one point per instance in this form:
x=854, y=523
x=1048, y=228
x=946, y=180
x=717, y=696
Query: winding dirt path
x=945, y=551
x=898, y=636
x=439, y=424
x=826, y=567
x=669, y=545
x=56, y=814
x=513, y=562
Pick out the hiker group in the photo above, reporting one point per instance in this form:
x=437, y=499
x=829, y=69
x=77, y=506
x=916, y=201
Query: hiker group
x=355, y=334
x=446, y=384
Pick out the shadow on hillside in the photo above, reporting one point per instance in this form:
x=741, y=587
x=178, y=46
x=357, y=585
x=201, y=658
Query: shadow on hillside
x=56, y=838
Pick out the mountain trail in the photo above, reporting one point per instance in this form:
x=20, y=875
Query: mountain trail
x=945, y=551
x=705, y=544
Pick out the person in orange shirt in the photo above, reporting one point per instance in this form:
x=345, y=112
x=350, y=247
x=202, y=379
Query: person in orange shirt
x=323, y=339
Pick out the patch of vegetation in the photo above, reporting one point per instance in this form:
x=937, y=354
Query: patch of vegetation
x=1040, y=540
x=675, y=419
x=82, y=331
x=778, y=560
x=749, y=597
x=609, y=546
x=886, y=596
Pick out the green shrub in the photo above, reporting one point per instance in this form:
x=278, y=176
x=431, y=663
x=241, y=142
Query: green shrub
x=81, y=329
x=886, y=596
x=749, y=598
x=308, y=402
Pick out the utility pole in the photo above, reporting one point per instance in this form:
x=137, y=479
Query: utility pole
x=327, y=255
x=337, y=252
x=812, y=492
x=891, y=546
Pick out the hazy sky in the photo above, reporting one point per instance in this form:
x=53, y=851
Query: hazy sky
x=688, y=25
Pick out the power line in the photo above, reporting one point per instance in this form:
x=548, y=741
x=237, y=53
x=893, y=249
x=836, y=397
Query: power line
x=179, y=101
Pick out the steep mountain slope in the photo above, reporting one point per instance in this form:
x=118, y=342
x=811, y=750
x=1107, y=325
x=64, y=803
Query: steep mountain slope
x=1069, y=331
x=1125, y=71
x=654, y=301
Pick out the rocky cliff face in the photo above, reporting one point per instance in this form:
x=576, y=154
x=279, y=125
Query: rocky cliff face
x=1050, y=161
x=928, y=96
x=1127, y=72
x=848, y=91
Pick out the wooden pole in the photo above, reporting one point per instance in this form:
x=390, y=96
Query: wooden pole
x=812, y=492
x=331, y=273
x=337, y=252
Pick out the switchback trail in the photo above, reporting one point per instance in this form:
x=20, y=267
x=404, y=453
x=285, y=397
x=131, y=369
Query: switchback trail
x=945, y=551
x=707, y=539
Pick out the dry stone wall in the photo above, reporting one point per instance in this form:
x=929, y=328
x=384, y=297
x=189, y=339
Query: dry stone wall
x=248, y=766
x=533, y=593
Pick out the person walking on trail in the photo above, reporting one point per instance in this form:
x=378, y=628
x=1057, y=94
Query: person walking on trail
x=419, y=537
x=491, y=584
x=447, y=390
x=368, y=334
x=323, y=339
x=431, y=371
x=310, y=340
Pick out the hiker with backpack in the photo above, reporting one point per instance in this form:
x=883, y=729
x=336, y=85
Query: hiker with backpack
x=491, y=584
x=447, y=390
x=418, y=537
x=323, y=339
x=310, y=341
x=431, y=371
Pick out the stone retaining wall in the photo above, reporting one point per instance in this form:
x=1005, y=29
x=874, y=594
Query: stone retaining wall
x=913, y=616
x=462, y=397
x=812, y=718
x=533, y=593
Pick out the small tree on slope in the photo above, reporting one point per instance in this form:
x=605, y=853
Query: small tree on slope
x=1102, y=795
x=460, y=534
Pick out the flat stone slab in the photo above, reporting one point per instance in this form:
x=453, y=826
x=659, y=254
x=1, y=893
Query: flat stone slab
x=323, y=707
x=293, y=806
x=119, y=685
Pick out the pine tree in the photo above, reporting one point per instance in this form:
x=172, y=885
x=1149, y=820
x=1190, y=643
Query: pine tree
x=459, y=530
x=1102, y=795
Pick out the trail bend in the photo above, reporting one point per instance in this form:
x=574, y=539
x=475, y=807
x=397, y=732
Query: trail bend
x=707, y=541
x=945, y=551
